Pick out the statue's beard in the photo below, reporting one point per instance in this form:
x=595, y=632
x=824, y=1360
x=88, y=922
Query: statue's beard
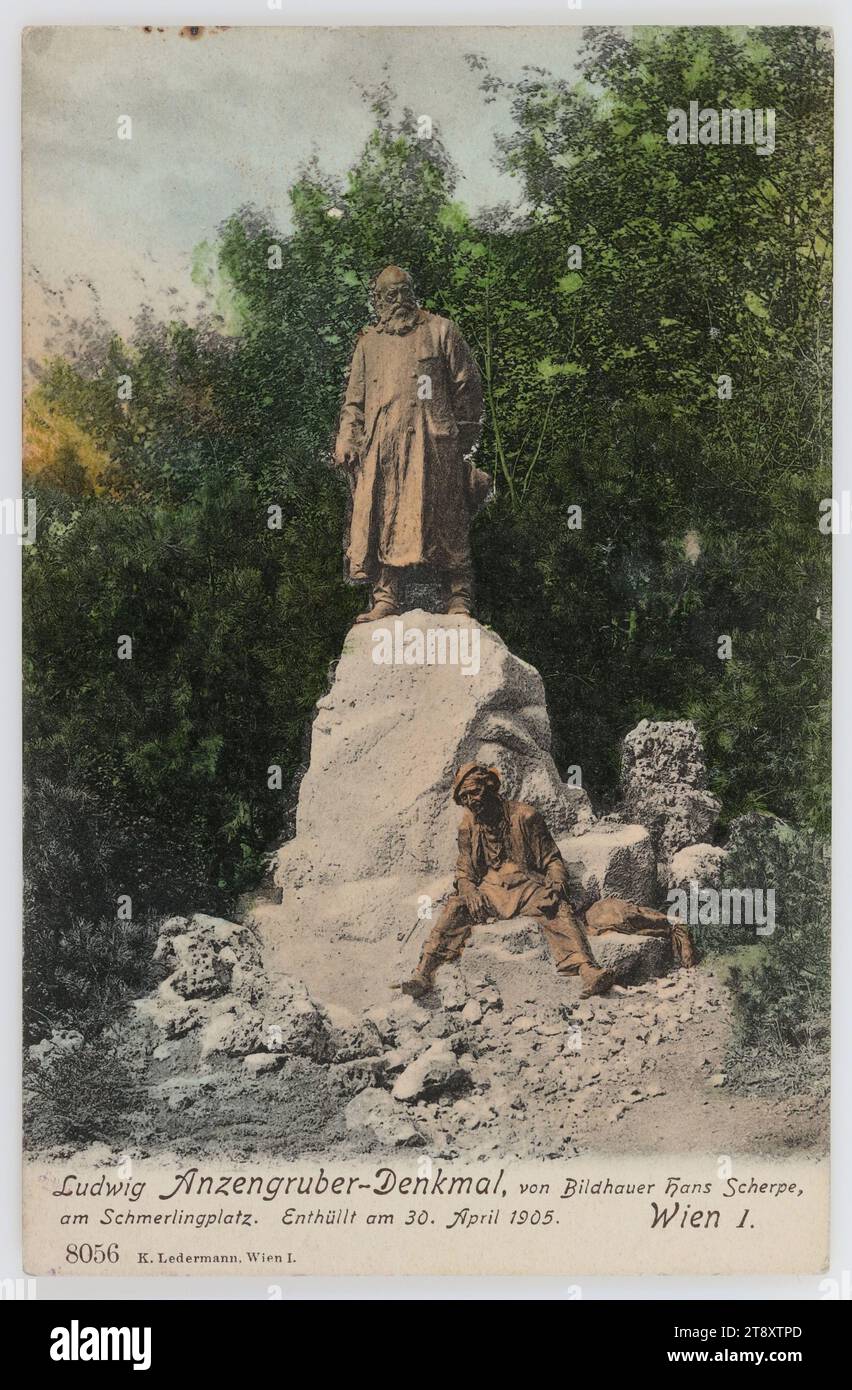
x=400, y=319
x=489, y=810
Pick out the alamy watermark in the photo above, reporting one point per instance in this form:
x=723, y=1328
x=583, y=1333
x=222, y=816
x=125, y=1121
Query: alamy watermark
x=835, y=515
x=432, y=646
x=732, y=125
x=18, y=518
x=723, y=907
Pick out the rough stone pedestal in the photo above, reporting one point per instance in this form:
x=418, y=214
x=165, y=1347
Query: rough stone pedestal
x=375, y=843
x=513, y=958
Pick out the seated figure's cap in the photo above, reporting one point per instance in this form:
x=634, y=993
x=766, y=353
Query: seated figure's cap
x=465, y=771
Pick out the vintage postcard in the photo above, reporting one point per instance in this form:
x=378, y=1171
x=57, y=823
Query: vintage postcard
x=426, y=530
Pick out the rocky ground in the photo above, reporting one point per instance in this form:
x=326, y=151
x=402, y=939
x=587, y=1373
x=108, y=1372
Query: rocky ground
x=281, y=1034
x=504, y=1059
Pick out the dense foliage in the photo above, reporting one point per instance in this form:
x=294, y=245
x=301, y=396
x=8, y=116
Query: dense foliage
x=150, y=777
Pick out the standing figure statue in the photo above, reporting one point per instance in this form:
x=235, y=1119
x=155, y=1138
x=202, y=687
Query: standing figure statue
x=411, y=418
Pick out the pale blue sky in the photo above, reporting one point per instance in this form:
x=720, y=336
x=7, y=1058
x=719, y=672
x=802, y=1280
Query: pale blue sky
x=218, y=122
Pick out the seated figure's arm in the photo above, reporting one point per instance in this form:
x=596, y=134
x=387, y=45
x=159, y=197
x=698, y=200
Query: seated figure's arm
x=466, y=875
x=548, y=859
x=467, y=878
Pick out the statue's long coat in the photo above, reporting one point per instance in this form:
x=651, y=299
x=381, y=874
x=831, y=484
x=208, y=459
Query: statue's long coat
x=412, y=412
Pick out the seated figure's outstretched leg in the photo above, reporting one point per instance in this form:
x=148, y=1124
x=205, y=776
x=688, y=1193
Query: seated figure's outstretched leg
x=616, y=914
x=445, y=942
x=570, y=949
x=683, y=946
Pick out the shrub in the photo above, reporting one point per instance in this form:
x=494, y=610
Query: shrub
x=782, y=997
x=83, y=1095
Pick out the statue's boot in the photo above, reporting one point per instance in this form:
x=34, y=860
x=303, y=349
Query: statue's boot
x=683, y=946
x=422, y=980
x=385, y=597
x=595, y=980
x=457, y=588
x=382, y=609
x=416, y=986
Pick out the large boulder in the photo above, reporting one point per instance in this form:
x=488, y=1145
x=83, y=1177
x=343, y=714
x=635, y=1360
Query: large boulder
x=611, y=861
x=668, y=751
x=375, y=840
x=699, y=864
x=293, y=1022
x=207, y=956
x=221, y=1000
x=388, y=737
x=762, y=842
x=663, y=780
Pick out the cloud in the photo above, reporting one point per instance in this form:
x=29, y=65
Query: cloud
x=220, y=122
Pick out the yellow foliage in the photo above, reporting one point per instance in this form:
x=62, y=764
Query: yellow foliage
x=58, y=450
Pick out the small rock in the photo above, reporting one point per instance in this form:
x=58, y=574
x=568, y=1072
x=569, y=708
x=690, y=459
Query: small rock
x=435, y=1072
x=294, y=1023
x=452, y=991
x=439, y=1026
x=237, y=1033
x=375, y=1112
x=181, y=1100
x=398, y=1058
x=167, y=1011
x=700, y=864
x=472, y=1011
x=259, y=1062
x=357, y=1075
x=61, y=1040
x=180, y=1092
x=198, y=973
x=360, y=1038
